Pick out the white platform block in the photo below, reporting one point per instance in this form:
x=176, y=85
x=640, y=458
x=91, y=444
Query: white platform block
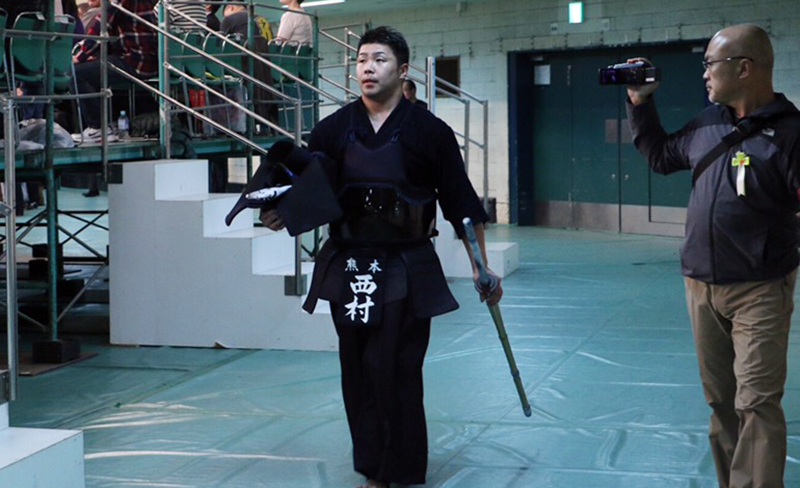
x=40, y=458
x=503, y=256
x=180, y=277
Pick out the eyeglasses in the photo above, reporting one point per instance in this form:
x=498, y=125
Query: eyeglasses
x=708, y=64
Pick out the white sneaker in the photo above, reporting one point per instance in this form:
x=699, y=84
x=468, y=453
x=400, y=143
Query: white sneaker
x=92, y=134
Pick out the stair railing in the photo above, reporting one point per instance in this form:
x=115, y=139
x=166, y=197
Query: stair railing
x=8, y=208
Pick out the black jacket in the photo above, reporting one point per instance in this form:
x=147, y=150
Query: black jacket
x=731, y=238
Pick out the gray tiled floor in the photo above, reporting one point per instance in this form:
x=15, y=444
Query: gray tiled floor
x=602, y=340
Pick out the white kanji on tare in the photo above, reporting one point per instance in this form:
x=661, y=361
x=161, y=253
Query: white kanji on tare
x=362, y=286
x=351, y=265
x=374, y=266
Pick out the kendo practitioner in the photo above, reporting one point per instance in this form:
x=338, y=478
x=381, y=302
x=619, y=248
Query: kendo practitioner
x=388, y=161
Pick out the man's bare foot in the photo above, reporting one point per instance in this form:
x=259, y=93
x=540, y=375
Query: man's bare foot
x=373, y=484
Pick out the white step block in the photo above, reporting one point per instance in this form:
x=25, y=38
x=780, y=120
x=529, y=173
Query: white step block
x=503, y=256
x=268, y=249
x=178, y=178
x=216, y=207
x=40, y=458
x=180, y=277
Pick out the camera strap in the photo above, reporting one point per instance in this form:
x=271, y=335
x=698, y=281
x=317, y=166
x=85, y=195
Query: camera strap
x=741, y=131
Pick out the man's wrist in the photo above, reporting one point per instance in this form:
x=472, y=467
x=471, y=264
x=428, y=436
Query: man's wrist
x=638, y=99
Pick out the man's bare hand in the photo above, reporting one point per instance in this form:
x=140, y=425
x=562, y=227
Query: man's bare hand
x=271, y=219
x=640, y=93
x=490, y=297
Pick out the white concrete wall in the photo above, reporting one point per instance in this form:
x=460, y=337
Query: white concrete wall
x=484, y=32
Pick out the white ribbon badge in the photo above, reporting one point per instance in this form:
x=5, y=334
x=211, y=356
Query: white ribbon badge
x=741, y=161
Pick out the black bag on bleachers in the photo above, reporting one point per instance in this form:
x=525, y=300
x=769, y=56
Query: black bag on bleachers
x=148, y=125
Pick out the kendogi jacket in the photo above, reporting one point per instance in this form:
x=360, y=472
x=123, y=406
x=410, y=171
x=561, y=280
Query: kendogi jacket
x=741, y=222
x=387, y=184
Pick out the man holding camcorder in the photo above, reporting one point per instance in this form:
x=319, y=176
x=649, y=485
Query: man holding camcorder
x=739, y=257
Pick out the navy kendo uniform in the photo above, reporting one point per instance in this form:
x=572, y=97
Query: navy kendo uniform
x=381, y=274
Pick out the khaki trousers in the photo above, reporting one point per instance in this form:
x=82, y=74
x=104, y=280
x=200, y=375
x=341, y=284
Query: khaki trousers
x=741, y=333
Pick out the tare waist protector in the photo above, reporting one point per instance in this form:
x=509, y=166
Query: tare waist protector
x=381, y=214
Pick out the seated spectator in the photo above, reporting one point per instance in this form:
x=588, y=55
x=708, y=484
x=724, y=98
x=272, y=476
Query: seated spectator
x=410, y=93
x=136, y=53
x=191, y=8
x=90, y=11
x=294, y=26
x=235, y=22
x=83, y=7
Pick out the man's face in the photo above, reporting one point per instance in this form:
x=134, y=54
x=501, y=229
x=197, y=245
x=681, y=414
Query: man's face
x=378, y=73
x=722, y=77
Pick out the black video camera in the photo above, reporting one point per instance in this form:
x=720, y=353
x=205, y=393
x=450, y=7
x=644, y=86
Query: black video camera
x=629, y=74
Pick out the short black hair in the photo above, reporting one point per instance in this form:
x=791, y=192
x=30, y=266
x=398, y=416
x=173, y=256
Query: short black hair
x=389, y=37
x=411, y=84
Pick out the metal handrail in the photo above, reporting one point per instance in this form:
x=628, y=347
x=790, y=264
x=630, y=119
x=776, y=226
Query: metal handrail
x=337, y=40
x=447, y=84
x=338, y=85
x=11, y=250
x=472, y=141
x=332, y=66
x=344, y=26
x=54, y=35
x=441, y=90
x=47, y=98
